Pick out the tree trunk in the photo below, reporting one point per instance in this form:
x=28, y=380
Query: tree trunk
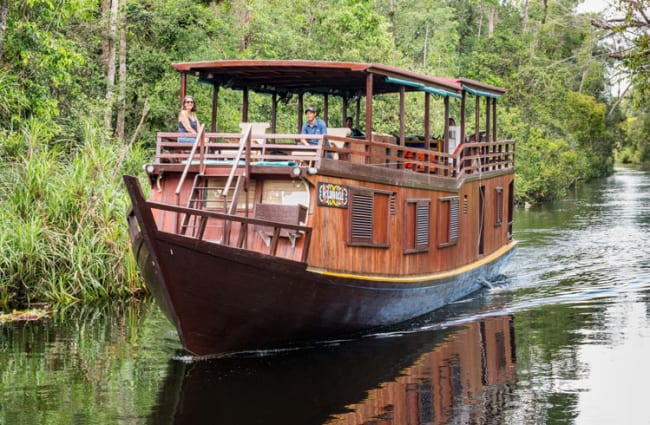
x=106, y=13
x=121, y=111
x=3, y=23
x=524, y=22
x=426, y=47
x=110, y=72
x=480, y=19
x=492, y=20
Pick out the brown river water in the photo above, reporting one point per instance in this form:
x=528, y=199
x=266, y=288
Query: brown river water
x=562, y=338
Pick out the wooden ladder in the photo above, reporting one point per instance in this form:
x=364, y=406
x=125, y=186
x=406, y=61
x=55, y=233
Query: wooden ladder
x=198, y=200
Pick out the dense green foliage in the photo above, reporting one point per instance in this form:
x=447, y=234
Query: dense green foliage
x=63, y=207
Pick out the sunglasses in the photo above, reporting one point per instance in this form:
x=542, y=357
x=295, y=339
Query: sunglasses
x=189, y=101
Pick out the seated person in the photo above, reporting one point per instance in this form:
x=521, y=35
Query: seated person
x=187, y=120
x=354, y=131
x=314, y=126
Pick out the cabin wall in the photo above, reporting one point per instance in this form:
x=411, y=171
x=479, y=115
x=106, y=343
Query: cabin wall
x=164, y=191
x=330, y=250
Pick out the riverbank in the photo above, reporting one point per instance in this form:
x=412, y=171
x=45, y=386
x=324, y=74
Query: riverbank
x=63, y=236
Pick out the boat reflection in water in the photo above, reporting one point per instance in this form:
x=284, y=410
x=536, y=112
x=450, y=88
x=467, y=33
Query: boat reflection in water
x=426, y=377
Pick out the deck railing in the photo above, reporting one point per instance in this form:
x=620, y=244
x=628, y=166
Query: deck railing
x=222, y=148
x=246, y=223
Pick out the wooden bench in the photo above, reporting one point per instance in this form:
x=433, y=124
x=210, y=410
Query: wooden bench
x=285, y=214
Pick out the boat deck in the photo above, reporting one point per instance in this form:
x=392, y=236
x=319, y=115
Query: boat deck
x=220, y=151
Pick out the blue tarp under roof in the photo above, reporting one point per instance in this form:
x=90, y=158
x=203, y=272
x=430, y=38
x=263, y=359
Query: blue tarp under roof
x=423, y=87
x=480, y=92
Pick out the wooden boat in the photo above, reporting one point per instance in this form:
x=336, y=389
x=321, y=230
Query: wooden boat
x=251, y=240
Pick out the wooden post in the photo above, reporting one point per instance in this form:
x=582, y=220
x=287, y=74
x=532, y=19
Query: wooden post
x=357, y=112
x=427, y=120
x=494, y=119
x=301, y=111
x=183, y=88
x=477, y=118
x=326, y=110
x=244, y=109
x=274, y=112
x=402, y=124
x=488, y=122
x=215, y=105
x=445, y=142
x=369, y=95
x=463, y=105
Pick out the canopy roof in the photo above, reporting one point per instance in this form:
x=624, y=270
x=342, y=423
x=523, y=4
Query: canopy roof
x=324, y=77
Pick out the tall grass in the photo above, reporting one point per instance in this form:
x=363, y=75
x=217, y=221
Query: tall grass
x=63, y=236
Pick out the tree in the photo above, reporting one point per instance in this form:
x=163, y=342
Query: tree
x=111, y=54
x=629, y=33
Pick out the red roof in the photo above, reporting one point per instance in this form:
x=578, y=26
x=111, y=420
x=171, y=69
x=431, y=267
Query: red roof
x=322, y=77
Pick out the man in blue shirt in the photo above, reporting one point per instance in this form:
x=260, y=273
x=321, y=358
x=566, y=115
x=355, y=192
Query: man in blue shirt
x=313, y=126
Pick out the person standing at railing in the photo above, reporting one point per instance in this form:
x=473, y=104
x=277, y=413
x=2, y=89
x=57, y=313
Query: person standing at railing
x=187, y=120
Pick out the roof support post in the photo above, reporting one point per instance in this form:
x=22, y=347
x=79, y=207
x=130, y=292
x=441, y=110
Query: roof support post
x=215, y=105
x=445, y=143
x=344, y=110
x=326, y=109
x=369, y=95
x=494, y=119
x=274, y=111
x=402, y=124
x=477, y=117
x=488, y=122
x=183, y=88
x=463, y=105
x=300, y=110
x=244, y=109
x=427, y=120
x=357, y=112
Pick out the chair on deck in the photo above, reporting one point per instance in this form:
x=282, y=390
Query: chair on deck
x=257, y=129
x=339, y=132
x=287, y=214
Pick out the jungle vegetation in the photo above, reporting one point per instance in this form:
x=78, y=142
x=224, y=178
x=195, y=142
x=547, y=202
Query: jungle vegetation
x=86, y=84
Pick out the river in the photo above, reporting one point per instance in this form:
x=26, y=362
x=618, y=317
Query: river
x=562, y=338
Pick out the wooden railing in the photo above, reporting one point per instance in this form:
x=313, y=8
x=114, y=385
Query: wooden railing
x=223, y=148
x=202, y=217
x=193, y=151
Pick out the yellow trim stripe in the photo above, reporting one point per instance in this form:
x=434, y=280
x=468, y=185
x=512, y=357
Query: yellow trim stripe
x=433, y=276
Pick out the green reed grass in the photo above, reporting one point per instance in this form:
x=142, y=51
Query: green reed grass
x=63, y=235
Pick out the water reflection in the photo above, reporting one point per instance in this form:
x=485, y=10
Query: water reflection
x=577, y=295
x=426, y=377
x=93, y=365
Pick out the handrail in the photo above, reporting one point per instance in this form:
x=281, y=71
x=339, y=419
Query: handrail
x=243, y=142
x=469, y=157
x=199, y=138
x=244, y=221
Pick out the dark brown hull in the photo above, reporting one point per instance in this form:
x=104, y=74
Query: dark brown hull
x=224, y=299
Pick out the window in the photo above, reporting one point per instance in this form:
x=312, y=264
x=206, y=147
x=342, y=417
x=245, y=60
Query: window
x=416, y=226
x=448, y=221
x=213, y=199
x=285, y=192
x=368, y=218
x=498, y=204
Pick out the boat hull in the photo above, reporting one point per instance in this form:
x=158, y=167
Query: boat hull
x=224, y=299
